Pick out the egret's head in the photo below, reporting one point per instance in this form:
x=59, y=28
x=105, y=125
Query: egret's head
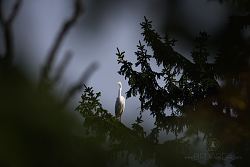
x=120, y=84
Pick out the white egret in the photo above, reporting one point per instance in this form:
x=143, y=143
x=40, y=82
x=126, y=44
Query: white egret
x=120, y=103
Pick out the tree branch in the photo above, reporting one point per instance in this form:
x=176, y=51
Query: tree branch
x=14, y=12
x=7, y=30
x=2, y=21
x=78, y=10
x=78, y=86
x=61, y=68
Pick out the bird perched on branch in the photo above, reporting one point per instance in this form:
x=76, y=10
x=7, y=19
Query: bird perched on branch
x=120, y=103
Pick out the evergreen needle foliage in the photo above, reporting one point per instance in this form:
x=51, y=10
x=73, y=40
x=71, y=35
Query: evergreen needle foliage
x=186, y=81
x=191, y=88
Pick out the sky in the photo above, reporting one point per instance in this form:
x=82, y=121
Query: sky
x=102, y=28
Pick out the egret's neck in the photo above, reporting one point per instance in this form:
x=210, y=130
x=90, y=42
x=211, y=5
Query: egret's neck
x=120, y=91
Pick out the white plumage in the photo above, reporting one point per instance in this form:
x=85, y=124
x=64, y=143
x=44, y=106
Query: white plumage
x=120, y=103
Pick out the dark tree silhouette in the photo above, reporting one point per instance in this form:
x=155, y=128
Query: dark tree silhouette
x=191, y=88
x=186, y=82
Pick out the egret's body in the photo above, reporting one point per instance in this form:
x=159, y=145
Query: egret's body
x=120, y=103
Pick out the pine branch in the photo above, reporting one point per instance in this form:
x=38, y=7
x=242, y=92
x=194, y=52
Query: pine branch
x=163, y=51
x=196, y=81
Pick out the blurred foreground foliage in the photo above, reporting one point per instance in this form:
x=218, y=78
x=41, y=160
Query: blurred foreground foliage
x=36, y=131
